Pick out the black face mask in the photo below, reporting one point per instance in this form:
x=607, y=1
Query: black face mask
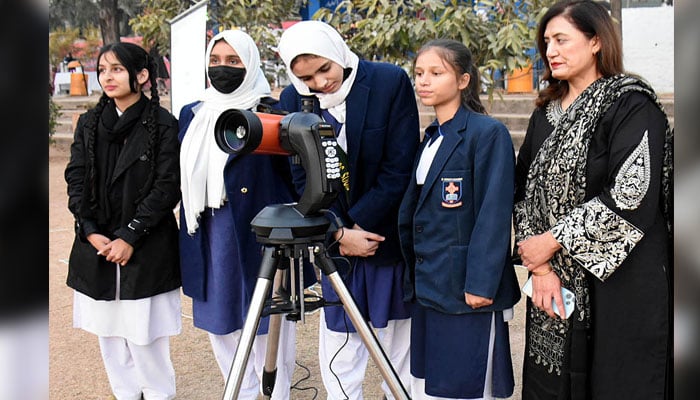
x=226, y=79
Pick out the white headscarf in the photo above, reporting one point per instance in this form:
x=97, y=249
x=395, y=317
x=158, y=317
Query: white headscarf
x=321, y=39
x=201, y=161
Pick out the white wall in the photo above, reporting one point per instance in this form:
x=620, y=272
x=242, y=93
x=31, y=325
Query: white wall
x=647, y=41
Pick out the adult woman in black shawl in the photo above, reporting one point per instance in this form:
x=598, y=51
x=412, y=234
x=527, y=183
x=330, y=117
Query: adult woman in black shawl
x=593, y=215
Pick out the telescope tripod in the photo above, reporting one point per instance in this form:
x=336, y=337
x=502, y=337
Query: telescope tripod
x=287, y=234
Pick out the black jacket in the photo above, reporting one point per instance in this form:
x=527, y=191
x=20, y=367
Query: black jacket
x=147, y=221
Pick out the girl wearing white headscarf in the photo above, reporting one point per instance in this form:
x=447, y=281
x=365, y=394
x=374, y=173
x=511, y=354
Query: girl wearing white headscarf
x=221, y=194
x=373, y=110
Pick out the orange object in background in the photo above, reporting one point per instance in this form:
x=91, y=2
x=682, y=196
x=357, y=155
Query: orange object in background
x=78, y=84
x=520, y=80
x=74, y=66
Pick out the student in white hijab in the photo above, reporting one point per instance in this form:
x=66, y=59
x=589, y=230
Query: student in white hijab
x=373, y=109
x=221, y=194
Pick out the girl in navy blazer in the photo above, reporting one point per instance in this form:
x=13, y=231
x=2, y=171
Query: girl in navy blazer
x=455, y=224
x=373, y=110
x=221, y=194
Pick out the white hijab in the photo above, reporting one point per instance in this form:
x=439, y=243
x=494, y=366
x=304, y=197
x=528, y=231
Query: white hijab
x=201, y=161
x=321, y=39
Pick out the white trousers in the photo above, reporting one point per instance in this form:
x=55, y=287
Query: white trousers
x=224, y=347
x=134, y=370
x=343, y=371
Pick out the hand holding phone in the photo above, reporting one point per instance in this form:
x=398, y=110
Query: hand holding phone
x=567, y=296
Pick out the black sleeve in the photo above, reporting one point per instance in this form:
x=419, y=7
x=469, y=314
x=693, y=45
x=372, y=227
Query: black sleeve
x=75, y=177
x=164, y=194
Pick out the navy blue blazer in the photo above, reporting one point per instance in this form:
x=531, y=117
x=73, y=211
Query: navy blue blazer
x=252, y=182
x=383, y=135
x=455, y=231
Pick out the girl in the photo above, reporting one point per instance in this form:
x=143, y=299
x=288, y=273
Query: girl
x=221, y=194
x=373, y=110
x=122, y=186
x=454, y=224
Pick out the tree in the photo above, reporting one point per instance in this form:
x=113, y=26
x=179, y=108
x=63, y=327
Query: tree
x=153, y=24
x=79, y=14
x=261, y=19
x=111, y=16
x=109, y=25
x=616, y=13
x=499, y=33
x=63, y=41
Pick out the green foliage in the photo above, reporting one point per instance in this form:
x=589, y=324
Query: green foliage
x=63, y=41
x=81, y=14
x=497, y=32
x=54, y=114
x=261, y=19
x=153, y=24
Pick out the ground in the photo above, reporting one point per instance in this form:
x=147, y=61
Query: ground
x=76, y=370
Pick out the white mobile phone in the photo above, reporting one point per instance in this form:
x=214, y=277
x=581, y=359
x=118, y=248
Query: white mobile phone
x=567, y=297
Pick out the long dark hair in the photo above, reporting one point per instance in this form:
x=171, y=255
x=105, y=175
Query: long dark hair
x=134, y=58
x=592, y=19
x=458, y=56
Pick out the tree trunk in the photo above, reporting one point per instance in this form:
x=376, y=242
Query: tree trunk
x=109, y=23
x=616, y=13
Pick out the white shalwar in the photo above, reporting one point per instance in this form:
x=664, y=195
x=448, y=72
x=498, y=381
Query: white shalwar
x=134, y=338
x=346, y=362
x=224, y=347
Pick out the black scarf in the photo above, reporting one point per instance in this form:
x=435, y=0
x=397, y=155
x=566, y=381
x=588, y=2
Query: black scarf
x=112, y=133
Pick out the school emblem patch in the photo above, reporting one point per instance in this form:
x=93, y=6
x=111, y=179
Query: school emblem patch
x=451, y=192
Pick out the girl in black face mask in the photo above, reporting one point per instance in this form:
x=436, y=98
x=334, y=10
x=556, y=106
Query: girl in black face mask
x=219, y=254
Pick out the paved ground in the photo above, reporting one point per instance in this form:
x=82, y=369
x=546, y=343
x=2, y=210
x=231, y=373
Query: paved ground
x=76, y=370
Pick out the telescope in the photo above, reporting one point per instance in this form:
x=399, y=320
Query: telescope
x=302, y=134
x=296, y=230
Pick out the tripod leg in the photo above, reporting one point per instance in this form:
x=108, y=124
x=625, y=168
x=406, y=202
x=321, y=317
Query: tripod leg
x=268, y=267
x=273, y=337
x=368, y=338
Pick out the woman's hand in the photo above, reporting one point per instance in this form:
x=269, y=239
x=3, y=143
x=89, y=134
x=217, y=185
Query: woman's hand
x=118, y=251
x=358, y=242
x=537, y=250
x=545, y=287
x=98, y=241
x=475, y=301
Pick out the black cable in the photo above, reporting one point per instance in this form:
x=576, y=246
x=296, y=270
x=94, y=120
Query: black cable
x=339, y=225
x=330, y=363
x=296, y=386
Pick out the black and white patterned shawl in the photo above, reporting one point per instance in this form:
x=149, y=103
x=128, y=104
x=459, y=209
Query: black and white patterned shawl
x=554, y=200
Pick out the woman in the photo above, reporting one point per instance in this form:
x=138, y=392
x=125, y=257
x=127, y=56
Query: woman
x=454, y=223
x=373, y=110
x=592, y=215
x=122, y=187
x=221, y=194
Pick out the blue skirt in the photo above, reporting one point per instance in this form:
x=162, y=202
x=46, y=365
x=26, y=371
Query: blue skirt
x=229, y=284
x=451, y=353
x=377, y=291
